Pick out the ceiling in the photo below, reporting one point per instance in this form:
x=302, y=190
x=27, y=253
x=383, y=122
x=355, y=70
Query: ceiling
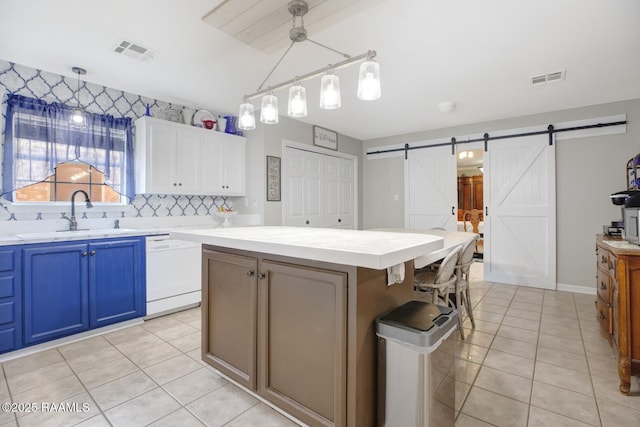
x=480, y=55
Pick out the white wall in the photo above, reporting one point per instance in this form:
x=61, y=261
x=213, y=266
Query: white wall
x=587, y=171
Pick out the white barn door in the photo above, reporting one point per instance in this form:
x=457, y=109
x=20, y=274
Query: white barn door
x=431, y=193
x=520, y=228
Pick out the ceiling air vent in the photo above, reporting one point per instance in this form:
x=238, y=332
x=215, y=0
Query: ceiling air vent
x=134, y=50
x=556, y=76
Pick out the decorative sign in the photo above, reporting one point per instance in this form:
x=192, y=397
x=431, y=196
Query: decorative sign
x=273, y=179
x=325, y=138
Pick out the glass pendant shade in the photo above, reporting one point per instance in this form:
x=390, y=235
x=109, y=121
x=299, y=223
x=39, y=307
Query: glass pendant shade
x=246, y=117
x=297, y=102
x=330, y=92
x=369, y=81
x=77, y=117
x=269, y=111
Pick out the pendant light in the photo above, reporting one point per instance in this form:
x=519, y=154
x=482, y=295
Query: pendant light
x=369, y=81
x=330, y=92
x=246, y=118
x=269, y=111
x=297, y=101
x=78, y=117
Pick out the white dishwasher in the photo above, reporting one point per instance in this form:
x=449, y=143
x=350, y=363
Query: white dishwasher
x=174, y=274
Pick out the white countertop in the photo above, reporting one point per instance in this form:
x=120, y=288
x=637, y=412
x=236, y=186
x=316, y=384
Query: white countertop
x=452, y=239
x=362, y=248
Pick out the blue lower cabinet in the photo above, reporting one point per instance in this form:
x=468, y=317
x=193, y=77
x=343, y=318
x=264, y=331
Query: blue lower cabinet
x=56, y=291
x=10, y=298
x=116, y=281
x=72, y=287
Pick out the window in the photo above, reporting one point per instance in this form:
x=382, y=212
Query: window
x=68, y=178
x=46, y=158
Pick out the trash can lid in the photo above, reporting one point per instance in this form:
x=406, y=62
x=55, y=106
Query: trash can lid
x=418, y=324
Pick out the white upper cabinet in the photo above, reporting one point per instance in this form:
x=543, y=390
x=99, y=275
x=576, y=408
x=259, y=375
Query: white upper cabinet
x=225, y=171
x=172, y=158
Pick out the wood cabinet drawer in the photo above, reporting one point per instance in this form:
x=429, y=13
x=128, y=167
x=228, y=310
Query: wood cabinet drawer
x=604, y=316
x=602, y=258
x=604, y=286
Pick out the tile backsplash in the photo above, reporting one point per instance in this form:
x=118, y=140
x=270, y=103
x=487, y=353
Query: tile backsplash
x=34, y=83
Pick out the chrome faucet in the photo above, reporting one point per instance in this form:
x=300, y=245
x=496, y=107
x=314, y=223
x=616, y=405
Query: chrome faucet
x=73, y=224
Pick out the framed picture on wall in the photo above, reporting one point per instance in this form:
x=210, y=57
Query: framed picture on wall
x=325, y=138
x=273, y=179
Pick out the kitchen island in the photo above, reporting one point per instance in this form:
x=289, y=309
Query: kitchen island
x=289, y=313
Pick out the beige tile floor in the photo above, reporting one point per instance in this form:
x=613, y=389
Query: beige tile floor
x=534, y=359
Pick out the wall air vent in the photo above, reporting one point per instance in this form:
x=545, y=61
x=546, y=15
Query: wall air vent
x=134, y=50
x=556, y=76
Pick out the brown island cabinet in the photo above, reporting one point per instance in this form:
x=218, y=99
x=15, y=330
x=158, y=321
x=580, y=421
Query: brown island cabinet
x=289, y=313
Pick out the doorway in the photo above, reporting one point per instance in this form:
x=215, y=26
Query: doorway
x=470, y=185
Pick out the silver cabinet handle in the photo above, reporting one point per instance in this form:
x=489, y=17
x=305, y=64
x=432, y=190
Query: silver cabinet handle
x=92, y=253
x=84, y=254
x=261, y=276
x=250, y=273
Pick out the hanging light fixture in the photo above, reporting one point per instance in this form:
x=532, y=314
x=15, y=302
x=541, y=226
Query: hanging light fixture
x=330, y=91
x=269, y=111
x=78, y=117
x=368, y=82
x=297, y=101
x=246, y=118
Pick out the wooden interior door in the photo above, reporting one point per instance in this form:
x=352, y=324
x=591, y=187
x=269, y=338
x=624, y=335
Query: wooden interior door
x=520, y=228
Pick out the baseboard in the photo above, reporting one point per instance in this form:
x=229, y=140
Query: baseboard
x=577, y=289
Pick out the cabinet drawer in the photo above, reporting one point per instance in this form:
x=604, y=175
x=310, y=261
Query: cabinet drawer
x=602, y=258
x=8, y=339
x=604, y=316
x=7, y=260
x=7, y=313
x=7, y=286
x=604, y=286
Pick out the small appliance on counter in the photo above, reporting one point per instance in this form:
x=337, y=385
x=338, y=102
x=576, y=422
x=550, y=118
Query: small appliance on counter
x=632, y=219
x=618, y=198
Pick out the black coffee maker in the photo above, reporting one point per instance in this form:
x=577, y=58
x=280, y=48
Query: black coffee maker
x=619, y=198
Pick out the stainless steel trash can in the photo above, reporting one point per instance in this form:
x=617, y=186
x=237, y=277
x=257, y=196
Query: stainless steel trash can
x=416, y=354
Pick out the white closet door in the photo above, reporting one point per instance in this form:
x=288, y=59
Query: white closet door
x=302, y=197
x=520, y=228
x=431, y=194
x=339, y=192
x=347, y=205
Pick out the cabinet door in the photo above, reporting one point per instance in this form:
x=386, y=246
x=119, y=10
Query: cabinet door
x=235, y=167
x=302, y=341
x=161, y=173
x=116, y=281
x=213, y=166
x=56, y=300
x=188, y=163
x=229, y=310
